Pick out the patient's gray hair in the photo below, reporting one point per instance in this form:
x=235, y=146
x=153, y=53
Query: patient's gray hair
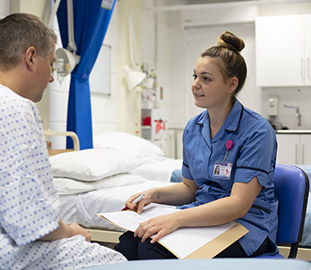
x=20, y=31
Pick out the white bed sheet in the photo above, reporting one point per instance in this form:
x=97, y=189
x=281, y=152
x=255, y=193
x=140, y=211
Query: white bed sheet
x=157, y=168
x=82, y=208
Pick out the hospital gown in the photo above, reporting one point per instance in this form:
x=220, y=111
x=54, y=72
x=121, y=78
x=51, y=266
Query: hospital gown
x=29, y=206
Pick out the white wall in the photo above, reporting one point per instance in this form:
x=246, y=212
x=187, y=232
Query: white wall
x=252, y=96
x=167, y=41
x=201, y=30
x=4, y=8
x=163, y=48
x=183, y=36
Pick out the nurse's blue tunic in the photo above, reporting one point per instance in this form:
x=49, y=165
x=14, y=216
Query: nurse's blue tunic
x=253, y=154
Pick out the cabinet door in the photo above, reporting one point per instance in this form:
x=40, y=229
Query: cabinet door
x=308, y=49
x=305, y=144
x=288, y=149
x=280, y=50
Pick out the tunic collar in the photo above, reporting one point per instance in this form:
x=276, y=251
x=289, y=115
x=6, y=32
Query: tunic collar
x=232, y=121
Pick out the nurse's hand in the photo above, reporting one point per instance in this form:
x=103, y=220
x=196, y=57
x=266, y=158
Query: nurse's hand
x=157, y=227
x=147, y=198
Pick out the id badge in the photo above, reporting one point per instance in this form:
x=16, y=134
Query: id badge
x=222, y=169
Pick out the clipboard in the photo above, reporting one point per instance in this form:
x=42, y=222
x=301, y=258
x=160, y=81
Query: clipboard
x=220, y=243
x=206, y=250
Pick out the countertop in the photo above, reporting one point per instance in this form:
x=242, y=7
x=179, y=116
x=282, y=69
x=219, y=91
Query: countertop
x=293, y=131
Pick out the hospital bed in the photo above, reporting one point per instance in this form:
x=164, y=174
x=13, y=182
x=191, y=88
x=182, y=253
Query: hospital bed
x=140, y=165
x=120, y=165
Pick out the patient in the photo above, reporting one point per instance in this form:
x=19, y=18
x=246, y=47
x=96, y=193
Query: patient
x=229, y=157
x=31, y=234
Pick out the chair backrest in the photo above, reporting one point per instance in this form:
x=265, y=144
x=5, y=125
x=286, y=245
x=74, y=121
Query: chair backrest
x=292, y=190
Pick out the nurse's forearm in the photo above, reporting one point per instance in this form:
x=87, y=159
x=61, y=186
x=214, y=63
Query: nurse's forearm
x=210, y=214
x=222, y=210
x=177, y=194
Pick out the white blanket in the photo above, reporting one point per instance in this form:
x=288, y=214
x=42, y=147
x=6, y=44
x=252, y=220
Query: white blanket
x=83, y=208
x=157, y=168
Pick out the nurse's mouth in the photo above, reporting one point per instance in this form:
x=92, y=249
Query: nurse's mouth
x=198, y=95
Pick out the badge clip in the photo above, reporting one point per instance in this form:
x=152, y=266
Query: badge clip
x=229, y=145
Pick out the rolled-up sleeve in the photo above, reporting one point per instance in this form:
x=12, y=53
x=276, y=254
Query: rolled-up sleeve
x=256, y=156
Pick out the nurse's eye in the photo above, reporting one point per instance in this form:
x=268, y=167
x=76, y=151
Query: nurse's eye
x=206, y=79
x=194, y=76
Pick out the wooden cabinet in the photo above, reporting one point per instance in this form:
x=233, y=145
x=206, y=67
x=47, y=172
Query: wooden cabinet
x=294, y=148
x=283, y=50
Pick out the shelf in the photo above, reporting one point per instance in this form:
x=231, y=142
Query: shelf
x=146, y=127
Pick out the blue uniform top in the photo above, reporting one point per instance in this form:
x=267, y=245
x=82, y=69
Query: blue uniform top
x=253, y=154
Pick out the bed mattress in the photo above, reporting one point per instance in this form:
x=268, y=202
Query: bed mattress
x=82, y=208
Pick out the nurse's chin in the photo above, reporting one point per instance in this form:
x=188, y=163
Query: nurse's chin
x=199, y=104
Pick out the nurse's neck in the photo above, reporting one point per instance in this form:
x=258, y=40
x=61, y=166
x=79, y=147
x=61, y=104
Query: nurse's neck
x=217, y=118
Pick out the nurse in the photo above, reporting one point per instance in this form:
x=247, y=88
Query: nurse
x=229, y=157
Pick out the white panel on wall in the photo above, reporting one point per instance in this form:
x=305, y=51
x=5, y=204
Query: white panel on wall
x=58, y=142
x=100, y=81
x=104, y=110
x=4, y=8
x=59, y=104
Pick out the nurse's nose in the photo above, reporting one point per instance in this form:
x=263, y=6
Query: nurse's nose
x=195, y=83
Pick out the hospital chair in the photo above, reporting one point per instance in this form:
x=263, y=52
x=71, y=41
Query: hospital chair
x=292, y=190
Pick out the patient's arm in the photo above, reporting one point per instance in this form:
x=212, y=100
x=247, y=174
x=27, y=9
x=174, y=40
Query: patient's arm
x=66, y=231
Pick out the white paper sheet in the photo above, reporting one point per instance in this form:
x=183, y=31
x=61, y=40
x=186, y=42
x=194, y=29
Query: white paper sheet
x=182, y=242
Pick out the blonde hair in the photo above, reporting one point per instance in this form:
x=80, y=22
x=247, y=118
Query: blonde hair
x=20, y=31
x=232, y=63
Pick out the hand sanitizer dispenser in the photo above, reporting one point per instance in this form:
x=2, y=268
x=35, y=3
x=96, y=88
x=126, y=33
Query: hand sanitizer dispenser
x=272, y=106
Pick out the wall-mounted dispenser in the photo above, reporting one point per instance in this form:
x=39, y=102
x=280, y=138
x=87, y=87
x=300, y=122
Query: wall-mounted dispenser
x=272, y=107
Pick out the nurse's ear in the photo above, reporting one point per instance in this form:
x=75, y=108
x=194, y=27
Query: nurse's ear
x=233, y=84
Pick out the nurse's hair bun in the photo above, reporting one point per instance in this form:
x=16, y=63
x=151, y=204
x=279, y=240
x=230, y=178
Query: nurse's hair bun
x=231, y=41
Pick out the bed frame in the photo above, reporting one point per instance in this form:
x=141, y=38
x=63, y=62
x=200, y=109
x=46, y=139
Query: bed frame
x=97, y=234
x=112, y=237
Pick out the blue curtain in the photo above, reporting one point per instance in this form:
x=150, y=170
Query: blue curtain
x=91, y=21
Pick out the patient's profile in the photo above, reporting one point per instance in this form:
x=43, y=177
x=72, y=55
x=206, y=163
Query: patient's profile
x=32, y=235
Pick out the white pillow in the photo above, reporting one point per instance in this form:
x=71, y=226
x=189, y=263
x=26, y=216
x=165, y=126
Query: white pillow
x=92, y=164
x=127, y=143
x=70, y=186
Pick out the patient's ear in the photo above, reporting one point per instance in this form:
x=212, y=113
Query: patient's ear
x=29, y=57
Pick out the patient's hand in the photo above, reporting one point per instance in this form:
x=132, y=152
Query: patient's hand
x=78, y=230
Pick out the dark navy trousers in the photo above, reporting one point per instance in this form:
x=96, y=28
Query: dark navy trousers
x=133, y=249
